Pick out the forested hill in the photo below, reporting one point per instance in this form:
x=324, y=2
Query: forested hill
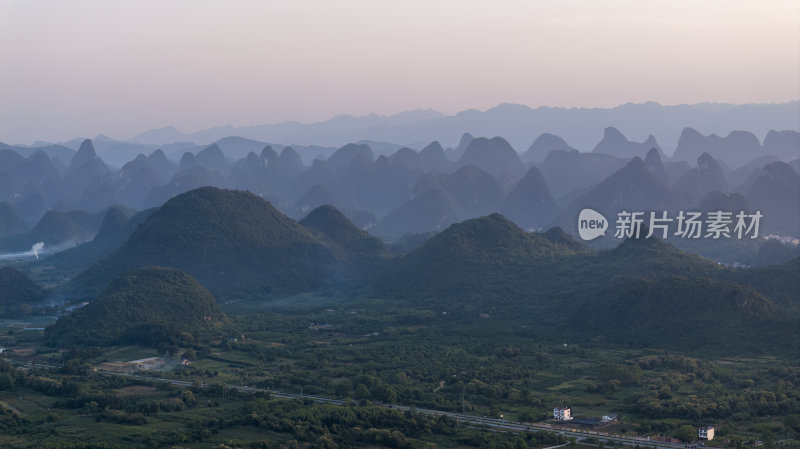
x=644, y=292
x=17, y=291
x=233, y=242
x=150, y=306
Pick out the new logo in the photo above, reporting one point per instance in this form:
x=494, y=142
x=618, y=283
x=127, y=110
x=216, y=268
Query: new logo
x=591, y=224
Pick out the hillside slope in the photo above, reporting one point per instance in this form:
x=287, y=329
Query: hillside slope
x=643, y=292
x=16, y=289
x=232, y=242
x=149, y=306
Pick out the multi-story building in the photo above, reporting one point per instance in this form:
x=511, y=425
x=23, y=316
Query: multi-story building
x=706, y=433
x=562, y=413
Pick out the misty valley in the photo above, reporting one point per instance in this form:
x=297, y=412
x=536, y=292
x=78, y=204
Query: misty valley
x=242, y=294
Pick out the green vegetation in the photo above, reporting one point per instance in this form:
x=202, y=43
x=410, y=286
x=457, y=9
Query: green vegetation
x=684, y=312
x=150, y=306
x=361, y=255
x=333, y=225
x=240, y=247
x=482, y=318
x=471, y=263
x=371, y=350
x=643, y=292
x=233, y=242
x=18, y=293
x=52, y=410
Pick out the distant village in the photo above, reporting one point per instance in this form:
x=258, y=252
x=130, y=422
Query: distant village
x=564, y=415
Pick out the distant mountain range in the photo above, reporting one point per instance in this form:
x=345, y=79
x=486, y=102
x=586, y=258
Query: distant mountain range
x=473, y=214
x=519, y=124
x=390, y=190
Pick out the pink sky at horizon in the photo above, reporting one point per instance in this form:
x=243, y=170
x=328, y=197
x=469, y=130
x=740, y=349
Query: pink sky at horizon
x=121, y=68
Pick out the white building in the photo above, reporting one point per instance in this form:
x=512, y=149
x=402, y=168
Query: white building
x=610, y=417
x=562, y=413
x=706, y=433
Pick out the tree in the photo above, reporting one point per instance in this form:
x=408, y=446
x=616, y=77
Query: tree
x=325, y=442
x=686, y=433
x=769, y=437
x=24, y=309
x=361, y=392
x=792, y=422
x=6, y=381
x=190, y=354
x=188, y=397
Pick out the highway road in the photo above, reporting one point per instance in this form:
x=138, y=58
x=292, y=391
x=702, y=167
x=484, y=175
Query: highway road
x=491, y=423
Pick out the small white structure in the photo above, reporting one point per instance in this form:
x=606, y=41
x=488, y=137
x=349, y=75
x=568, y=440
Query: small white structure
x=562, y=413
x=706, y=433
x=610, y=417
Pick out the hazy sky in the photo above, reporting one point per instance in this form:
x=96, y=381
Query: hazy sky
x=81, y=68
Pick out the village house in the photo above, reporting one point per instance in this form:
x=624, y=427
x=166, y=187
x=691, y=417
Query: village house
x=706, y=433
x=562, y=413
